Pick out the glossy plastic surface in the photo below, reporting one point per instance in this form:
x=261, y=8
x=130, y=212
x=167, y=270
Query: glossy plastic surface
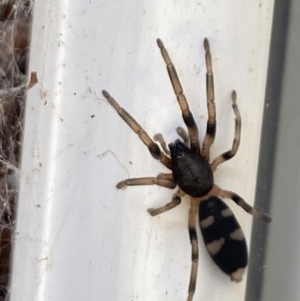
x=79, y=238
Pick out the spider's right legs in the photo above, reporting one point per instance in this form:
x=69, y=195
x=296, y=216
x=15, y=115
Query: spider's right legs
x=210, y=95
x=186, y=113
x=152, y=146
x=241, y=202
x=237, y=136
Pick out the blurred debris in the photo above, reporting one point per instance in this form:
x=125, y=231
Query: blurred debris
x=15, y=26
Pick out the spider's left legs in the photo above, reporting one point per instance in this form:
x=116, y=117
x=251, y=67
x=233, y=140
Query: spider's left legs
x=241, y=202
x=164, y=180
x=194, y=244
x=135, y=126
x=176, y=200
x=237, y=137
x=186, y=113
x=210, y=95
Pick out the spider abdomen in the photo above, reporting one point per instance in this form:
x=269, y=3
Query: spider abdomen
x=223, y=237
x=191, y=171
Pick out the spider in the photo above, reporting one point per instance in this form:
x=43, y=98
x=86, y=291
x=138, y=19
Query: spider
x=192, y=172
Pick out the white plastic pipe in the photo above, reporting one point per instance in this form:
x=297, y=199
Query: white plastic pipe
x=78, y=237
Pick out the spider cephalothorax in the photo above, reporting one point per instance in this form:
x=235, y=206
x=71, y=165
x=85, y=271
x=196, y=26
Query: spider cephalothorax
x=193, y=174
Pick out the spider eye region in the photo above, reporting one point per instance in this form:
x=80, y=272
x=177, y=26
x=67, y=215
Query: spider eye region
x=191, y=171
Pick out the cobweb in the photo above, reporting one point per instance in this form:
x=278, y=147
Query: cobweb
x=15, y=25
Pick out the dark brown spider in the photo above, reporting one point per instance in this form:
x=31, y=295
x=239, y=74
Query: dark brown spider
x=192, y=172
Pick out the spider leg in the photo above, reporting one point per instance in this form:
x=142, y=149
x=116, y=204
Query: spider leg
x=176, y=200
x=194, y=244
x=237, y=137
x=210, y=95
x=240, y=201
x=152, y=146
x=164, y=180
x=186, y=113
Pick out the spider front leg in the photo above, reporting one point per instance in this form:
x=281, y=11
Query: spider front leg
x=237, y=136
x=186, y=113
x=210, y=95
x=133, y=124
